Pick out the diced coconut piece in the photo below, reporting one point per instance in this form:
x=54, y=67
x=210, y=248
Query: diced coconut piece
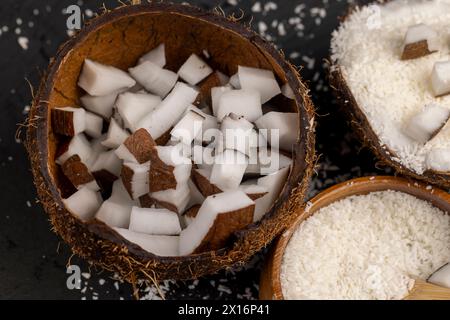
x=188, y=128
x=78, y=145
x=224, y=79
x=274, y=183
x=201, y=177
x=190, y=215
x=260, y=80
x=235, y=82
x=420, y=40
x=68, y=121
x=287, y=91
x=120, y=195
x=114, y=214
x=204, y=98
x=101, y=80
x=84, y=203
x=96, y=145
x=440, y=78
x=282, y=129
x=271, y=161
x=94, y=125
x=101, y=105
x=115, y=136
x=441, y=277
x=203, y=157
x=157, y=56
x=163, y=246
x=209, y=123
x=158, y=222
x=170, y=111
x=238, y=134
x=228, y=170
x=194, y=70
x=216, y=95
x=423, y=126
x=132, y=107
x=196, y=197
x=246, y=103
x=137, y=148
x=173, y=199
x=154, y=78
x=78, y=173
x=219, y=217
x=439, y=160
x=253, y=190
x=135, y=178
x=107, y=161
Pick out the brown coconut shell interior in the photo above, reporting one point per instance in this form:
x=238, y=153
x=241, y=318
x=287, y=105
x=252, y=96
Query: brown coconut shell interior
x=361, y=125
x=119, y=37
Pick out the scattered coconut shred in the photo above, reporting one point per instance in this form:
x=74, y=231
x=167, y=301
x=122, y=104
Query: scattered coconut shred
x=375, y=245
x=390, y=91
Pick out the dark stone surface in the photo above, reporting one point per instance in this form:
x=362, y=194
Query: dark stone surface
x=33, y=259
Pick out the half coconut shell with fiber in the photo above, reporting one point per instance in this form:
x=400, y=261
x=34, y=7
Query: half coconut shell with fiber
x=392, y=90
x=119, y=38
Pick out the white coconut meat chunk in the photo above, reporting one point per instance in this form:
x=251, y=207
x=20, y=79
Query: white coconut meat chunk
x=228, y=170
x=245, y=103
x=271, y=161
x=107, y=161
x=286, y=90
x=154, y=78
x=177, y=198
x=209, y=124
x=162, y=246
x=260, y=80
x=156, y=56
x=196, y=196
x=84, y=203
x=234, y=81
x=203, y=157
x=223, y=78
x=189, y=127
x=423, y=126
x=78, y=145
x=274, y=183
x=135, y=178
x=170, y=111
x=441, y=277
x=120, y=195
x=224, y=204
x=68, y=121
x=158, y=222
x=439, y=160
x=238, y=134
x=282, y=129
x=115, y=136
x=114, y=214
x=420, y=40
x=132, y=107
x=174, y=156
x=216, y=94
x=101, y=105
x=440, y=78
x=94, y=125
x=253, y=190
x=100, y=80
x=194, y=70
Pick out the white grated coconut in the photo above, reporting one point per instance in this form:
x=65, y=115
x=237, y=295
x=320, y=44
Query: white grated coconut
x=388, y=90
x=366, y=247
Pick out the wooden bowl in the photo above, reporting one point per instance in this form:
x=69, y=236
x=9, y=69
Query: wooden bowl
x=270, y=283
x=119, y=37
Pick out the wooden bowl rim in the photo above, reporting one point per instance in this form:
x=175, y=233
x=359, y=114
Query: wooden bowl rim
x=270, y=277
x=303, y=150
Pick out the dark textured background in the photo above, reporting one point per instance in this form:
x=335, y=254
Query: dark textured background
x=33, y=260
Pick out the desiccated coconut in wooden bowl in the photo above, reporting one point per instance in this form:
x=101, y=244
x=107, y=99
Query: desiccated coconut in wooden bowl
x=118, y=159
x=390, y=71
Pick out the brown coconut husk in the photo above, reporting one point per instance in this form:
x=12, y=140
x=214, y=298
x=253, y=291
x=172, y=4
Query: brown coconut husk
x=365, y=132
x=119, y=37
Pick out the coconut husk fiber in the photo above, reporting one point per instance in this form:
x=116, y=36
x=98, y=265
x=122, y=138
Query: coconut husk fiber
x=119, y=37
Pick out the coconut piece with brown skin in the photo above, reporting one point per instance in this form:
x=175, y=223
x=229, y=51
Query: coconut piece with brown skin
x=78, y=173
x=158, y=222
x=69, y=121
x=78, y=145
x=420, y=40
x=190, y=214
x=106, y=169
x=254, y=190
x=195, y=196
x=135, y=178
x=425, y=125
x=201, y=178
x=219, y=217
x=138, y=147
x=175, y=200
x=228, y=170
x=204, y=98
x=97, y=243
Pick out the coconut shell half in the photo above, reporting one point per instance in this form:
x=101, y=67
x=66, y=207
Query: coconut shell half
x=367, y=135
x=119, y=37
